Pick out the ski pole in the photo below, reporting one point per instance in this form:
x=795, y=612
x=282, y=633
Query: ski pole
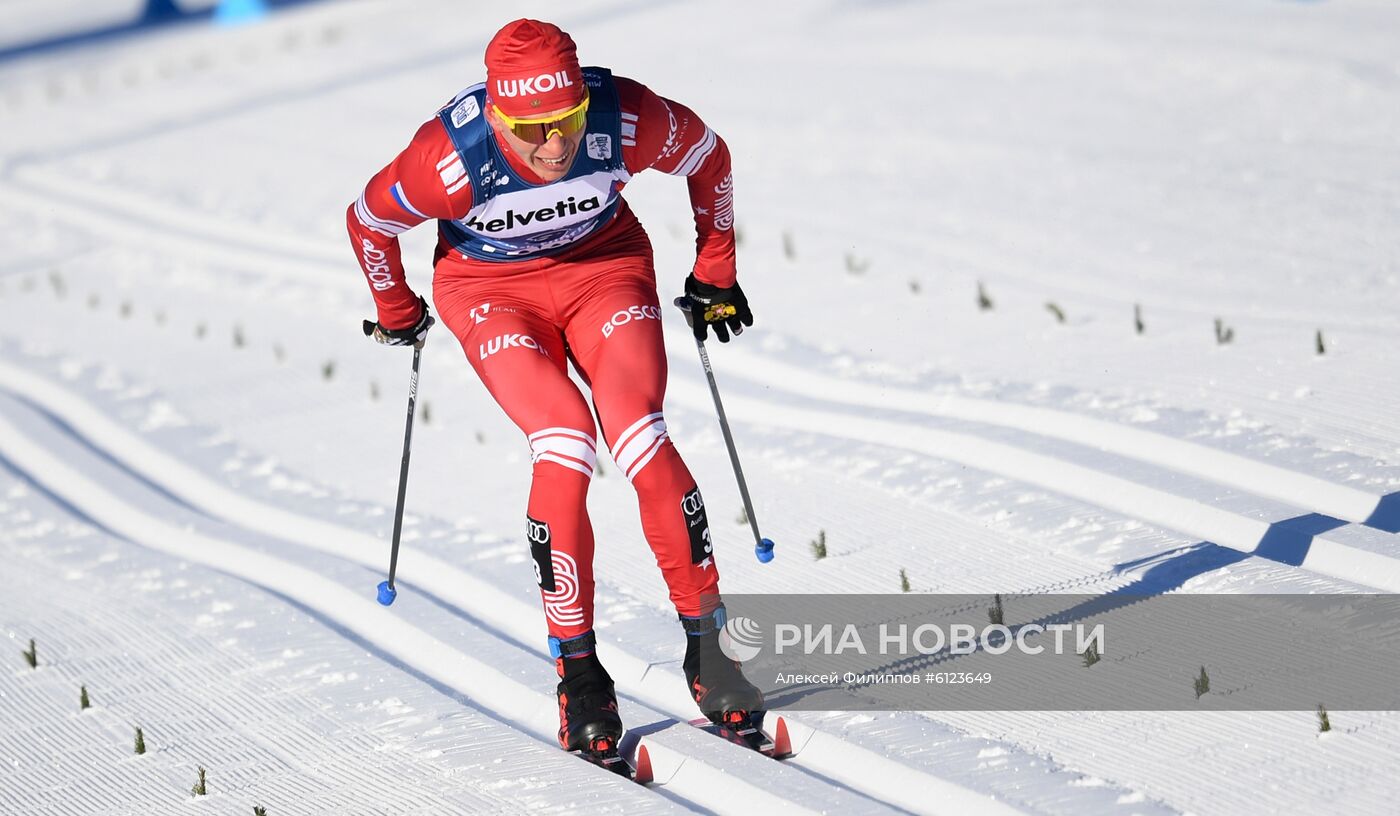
x=763, y=547
x=387, y=593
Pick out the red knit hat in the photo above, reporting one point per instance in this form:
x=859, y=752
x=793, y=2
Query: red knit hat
x=531, y=68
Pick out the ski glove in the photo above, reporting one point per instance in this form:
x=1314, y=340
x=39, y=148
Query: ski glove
x=725, y=309
x=410, y=336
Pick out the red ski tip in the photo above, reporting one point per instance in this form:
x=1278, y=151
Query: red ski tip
x=782, y=743
x=642, y=773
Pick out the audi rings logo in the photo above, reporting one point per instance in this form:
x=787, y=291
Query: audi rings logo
x=537, y=533
x=692, y=504
x=740, y=639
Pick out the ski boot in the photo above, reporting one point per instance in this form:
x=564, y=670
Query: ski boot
x=589, y=724
x=724, y=695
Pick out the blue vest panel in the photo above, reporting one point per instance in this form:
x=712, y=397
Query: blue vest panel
x=512, y=219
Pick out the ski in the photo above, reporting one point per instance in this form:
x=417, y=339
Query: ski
x=747, y=730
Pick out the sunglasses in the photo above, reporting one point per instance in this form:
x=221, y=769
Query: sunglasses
x=539, y=131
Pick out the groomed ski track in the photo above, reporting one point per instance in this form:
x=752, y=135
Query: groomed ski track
x=690, y=767
x=657, y=688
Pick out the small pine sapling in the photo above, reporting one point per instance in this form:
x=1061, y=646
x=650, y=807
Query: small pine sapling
x=743, y=516
x=1321, y=346
x=328, y=370
x=32, y=655
x=1137, y=318
x=1055, y=310
x=199, y=788
x=1202, y=683
x=1090, y=655
x=1323, y=723
x=140, y=742
x=819, y=545
x=1223, y=334
x=984, y=302
x=903, y=580
x=996, y=614
x=259, y=810
x=83, y=702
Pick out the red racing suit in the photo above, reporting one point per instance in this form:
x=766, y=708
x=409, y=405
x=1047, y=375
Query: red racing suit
x=587, y=295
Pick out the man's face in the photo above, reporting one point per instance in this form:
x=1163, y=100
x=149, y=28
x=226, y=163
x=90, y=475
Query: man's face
x=550, y=161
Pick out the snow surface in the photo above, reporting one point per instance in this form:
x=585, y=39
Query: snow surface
x=198, y=452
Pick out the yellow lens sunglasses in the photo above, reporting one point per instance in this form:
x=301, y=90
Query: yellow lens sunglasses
x=539, y=131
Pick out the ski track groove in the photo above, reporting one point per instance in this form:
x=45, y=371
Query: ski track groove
x=1201, y=461
x=365, y=768
x=825, y=756
x=1352, y=430
x=1190, y=517
x=675, y=754
x=216, y=714
x=943, y=550
x=108, y=214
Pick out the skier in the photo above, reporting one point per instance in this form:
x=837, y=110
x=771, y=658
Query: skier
x=540, y=261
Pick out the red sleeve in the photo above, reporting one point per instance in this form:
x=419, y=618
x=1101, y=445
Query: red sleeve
x=425, y=181
x=668, y=136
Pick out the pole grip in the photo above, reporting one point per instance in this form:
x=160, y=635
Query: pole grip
x=684, y=303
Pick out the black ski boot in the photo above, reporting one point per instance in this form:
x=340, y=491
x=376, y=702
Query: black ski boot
x=588, y=719
x=716, y=682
